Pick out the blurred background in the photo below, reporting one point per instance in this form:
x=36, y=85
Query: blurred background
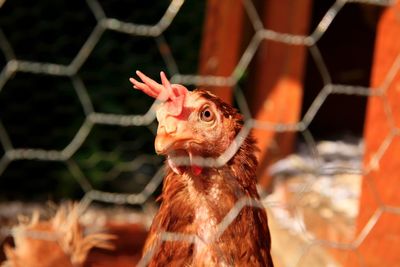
x=317, y=81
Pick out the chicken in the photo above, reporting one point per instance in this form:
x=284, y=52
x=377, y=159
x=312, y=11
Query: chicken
x=197, y=194
x=60, y=241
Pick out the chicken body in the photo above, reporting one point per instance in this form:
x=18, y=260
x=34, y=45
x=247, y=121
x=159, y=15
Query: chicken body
x=198, y=194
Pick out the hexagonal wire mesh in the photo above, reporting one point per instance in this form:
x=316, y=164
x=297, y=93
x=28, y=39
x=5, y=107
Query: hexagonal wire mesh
x=93, y=118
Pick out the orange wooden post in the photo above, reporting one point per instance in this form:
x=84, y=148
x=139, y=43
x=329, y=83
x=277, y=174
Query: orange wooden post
x=276, y=84
x=381, y=186
x=220, y=49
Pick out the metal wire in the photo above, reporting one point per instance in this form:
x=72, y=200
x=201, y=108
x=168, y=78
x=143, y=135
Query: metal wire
x=156, y=31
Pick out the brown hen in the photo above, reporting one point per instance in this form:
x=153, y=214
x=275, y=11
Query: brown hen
x=208, y=172
x=58, y=242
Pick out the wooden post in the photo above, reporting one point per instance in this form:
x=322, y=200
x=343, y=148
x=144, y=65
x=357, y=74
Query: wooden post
x=382, y=185
x=275, y=89
x=220, y=49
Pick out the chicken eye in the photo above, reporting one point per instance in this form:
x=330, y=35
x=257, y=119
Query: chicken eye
x=206, y=115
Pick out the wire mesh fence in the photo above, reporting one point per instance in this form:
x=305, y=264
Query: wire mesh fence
x=80, y=64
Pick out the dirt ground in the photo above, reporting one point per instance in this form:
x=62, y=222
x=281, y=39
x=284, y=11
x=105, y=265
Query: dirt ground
x=306, y=225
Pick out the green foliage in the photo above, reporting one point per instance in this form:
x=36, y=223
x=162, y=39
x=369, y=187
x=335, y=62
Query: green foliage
x=42, y=111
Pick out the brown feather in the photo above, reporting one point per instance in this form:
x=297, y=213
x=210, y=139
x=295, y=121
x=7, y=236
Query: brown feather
x=59, y=241
x=195, y=205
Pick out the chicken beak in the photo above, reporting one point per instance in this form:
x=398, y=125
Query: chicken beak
x=177, y=149
x=177, y=155
x=165, y=143
x=171, y=134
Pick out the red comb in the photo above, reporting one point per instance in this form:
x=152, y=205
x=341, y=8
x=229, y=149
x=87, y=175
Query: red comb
x=173, y=94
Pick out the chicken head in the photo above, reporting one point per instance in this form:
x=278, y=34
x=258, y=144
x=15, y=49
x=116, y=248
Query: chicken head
x=193, y=126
